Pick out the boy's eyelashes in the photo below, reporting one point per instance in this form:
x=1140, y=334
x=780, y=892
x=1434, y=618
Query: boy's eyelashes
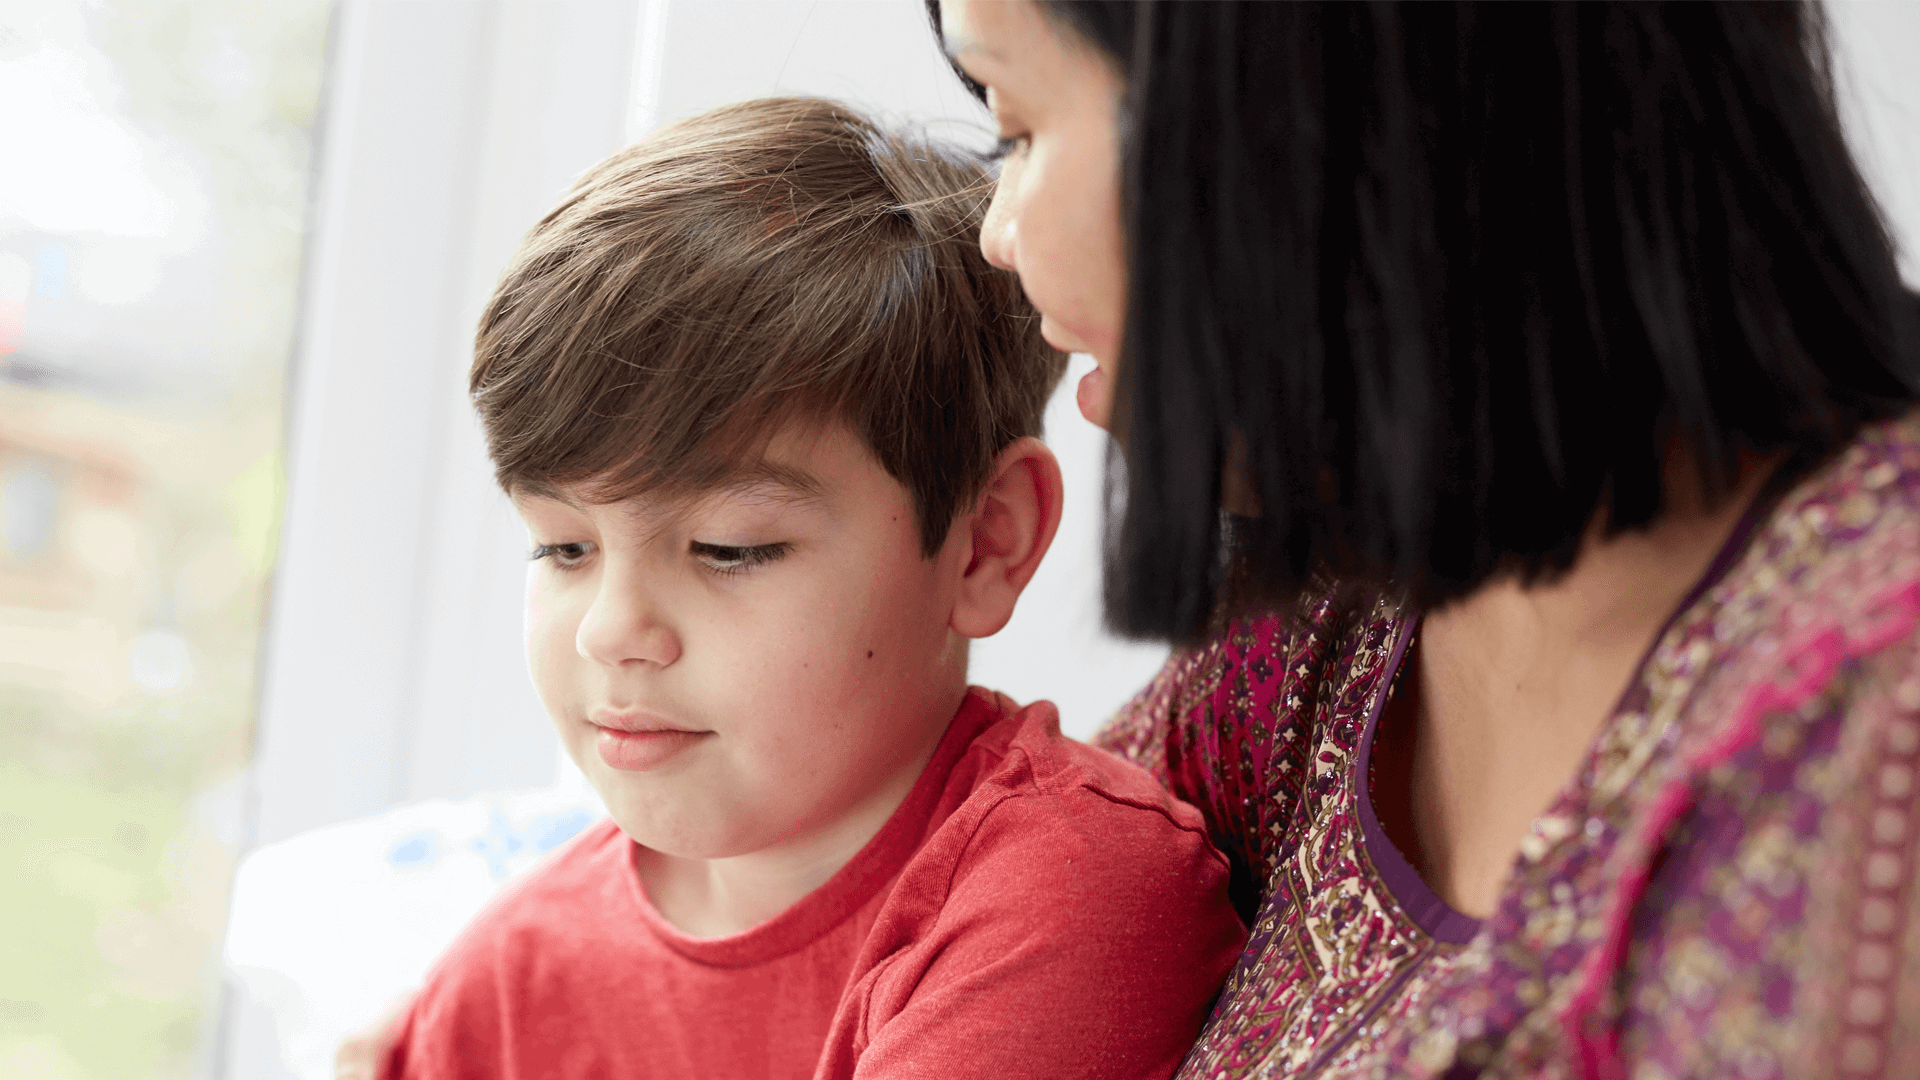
x=1006, y=146
x=731, y=559
x=564, y=556
x=724, y=558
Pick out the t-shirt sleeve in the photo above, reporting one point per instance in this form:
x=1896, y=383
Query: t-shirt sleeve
x=1081, y=938
x=451, y=1030
x=482, y=1010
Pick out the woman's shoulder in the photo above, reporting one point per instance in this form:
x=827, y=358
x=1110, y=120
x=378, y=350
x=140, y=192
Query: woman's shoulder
x=1253, y=668
x=1825, y=590
x=1769, y=844
x=1230, y=723
x=1820, y=586
x=1845, y=536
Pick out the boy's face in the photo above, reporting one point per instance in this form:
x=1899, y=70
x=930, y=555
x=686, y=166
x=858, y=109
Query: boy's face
x=741, y=673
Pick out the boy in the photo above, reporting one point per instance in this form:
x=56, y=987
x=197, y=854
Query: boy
x=770, y=420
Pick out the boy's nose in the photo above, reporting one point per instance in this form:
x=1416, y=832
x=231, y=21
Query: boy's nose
x=622, y=630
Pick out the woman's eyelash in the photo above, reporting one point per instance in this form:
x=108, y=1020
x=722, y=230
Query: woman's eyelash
x=729, y=559
x=1005, y=146
x=563, y=556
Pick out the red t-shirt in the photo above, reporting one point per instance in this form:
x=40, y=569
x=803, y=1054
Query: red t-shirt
x=1034, y=908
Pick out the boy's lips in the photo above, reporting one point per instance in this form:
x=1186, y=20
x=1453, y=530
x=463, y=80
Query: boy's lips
x=636, y=720
x=635, y=742
x=638, y=751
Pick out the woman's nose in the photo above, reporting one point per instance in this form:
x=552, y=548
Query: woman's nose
x=997, y=228
x=625, y=626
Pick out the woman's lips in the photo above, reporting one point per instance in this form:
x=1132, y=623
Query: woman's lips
x=638, y=751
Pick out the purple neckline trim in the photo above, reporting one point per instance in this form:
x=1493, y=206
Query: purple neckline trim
x=1434, y=916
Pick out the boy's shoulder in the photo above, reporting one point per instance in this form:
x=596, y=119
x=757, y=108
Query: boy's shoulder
x=585, y=871
x=1064, y=883
x=1038, y=816
x=544, y=940
x=1023, y=755
x=536, y=913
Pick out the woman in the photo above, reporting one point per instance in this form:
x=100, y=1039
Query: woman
x=1568, y=341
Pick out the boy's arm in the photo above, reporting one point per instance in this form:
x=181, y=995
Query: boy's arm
x=1072, y=945
x=446, y=1031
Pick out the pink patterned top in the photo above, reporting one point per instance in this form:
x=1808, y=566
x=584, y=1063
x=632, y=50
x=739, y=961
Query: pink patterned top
x=1727, y=887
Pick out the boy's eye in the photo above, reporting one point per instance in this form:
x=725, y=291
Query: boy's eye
x=564, y=556
x=1007, y=146
x=729, y=559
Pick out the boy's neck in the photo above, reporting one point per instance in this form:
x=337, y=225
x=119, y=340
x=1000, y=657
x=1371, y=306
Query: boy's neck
x=706, y=898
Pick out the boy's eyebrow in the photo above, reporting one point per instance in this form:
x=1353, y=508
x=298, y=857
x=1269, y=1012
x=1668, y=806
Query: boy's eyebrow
x=775, y=482
x=541, y=489
x=767, y=481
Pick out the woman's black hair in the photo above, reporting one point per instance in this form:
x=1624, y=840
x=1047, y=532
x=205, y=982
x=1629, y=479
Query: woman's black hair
x=1458, y=277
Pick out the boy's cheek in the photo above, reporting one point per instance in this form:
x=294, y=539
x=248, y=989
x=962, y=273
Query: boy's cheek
x=533, y=619
x=548, y=641
x=547, y=603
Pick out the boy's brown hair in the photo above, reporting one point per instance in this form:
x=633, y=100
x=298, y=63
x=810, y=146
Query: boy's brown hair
x=777, y=260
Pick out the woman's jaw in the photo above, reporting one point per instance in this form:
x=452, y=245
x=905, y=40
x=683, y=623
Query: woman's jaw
x=1094, y=392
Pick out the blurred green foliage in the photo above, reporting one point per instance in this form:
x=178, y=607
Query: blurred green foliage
x=121, y=804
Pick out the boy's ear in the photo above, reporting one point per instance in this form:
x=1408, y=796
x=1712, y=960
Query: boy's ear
x=1008, y=531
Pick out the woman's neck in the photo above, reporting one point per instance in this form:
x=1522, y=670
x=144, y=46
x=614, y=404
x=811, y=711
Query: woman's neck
x=1511, y=683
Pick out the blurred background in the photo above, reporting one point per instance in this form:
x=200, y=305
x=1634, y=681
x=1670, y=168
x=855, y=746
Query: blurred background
x=258, y=596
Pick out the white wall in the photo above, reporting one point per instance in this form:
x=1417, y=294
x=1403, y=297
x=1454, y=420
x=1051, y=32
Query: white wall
x=1876, y=44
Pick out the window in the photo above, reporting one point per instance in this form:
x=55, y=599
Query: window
x=152, y=221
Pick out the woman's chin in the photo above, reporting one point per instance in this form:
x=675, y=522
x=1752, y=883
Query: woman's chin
x=1094, y=395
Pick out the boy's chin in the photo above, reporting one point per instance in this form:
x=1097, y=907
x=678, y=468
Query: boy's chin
x=671, y=838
